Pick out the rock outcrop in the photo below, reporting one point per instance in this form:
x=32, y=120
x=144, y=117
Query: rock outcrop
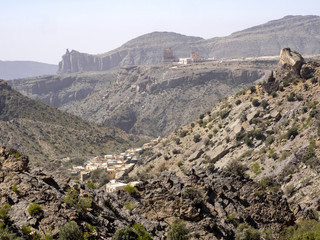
x=204, y=200
x=289, y=65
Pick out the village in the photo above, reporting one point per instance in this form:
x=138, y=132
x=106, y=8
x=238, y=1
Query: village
x=114, y=165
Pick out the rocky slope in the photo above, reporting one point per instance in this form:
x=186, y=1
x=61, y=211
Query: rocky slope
x=211, y=204
x=298, y=32
x=269, y=133
x=22, y=69
x=47, y=133
x=145, y=100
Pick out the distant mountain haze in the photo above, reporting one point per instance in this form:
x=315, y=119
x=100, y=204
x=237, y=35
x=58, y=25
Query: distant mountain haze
x=301, y=33
x=21, y=69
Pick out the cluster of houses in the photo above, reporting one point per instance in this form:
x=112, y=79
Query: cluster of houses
x=115, y=165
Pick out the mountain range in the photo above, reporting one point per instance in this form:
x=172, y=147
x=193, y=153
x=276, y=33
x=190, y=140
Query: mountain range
x=22, y=69
x=297, y=32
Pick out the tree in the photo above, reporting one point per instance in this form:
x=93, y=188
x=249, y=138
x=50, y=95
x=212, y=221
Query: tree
x=71, y=231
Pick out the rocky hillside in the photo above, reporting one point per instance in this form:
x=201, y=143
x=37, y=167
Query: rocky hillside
x=22, y=69
x=34, y=204
x=268, y=133
x=153, y=100
x=298, y=32
x=47, y=133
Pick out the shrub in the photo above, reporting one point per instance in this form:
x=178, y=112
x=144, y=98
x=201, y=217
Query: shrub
x=274, y=94
x=71, y=198
x=210, y=135
x=236, y=168
x=310, y=157
x=130, y=189
x=246, y=232
x=177, y=140
x=292, y=132
x=91, y=185
x=178, y=230
x=130, y=205
x=84, y=203
x=201, y=116
x=304, y=230
x=192, y=194
x=256, y=168
x=141, y=231
x=4, y=211
x=314, y=80
x=6, y=234
x=264, y=104
x=313, y=113
x=175, y=151
x=253, y=89
x=224, y=113
x=70, y=231
x=238, y=102
x=34, y=209
x=269, y=140
x=15, y=188
x=184, y=133
x=192, y=125
x=196, y=138
x=137, y=231
x=255, y=103
x=291, y=97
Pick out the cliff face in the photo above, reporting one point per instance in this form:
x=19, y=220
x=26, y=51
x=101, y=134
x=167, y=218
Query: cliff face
x=297, y=32
x=145, y=100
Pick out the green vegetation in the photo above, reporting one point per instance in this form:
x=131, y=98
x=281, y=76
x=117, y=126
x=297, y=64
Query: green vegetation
x=91, y=185
x=304, y=230
x=184, y=133
x=310, y=157
x=255, y=103
x=264, y=104
x=34, y=209
x=15, y=188
x=196, y=138
x=136, y=232
x=246, y=232
x=130, y=205
x=224, y=113
x=292, y=132
x=253, y=89
x=4, y=211
x=63, y=134
x=236, y=168
x=130, y=189
x=71, y=231
x=238, y=102
x=72, y=199
x=178, y=231
x=256, y=168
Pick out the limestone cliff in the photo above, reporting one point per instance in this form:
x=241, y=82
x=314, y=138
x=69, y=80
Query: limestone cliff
x=297, y=32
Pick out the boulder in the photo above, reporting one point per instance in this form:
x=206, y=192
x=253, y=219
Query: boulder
x=289, y=65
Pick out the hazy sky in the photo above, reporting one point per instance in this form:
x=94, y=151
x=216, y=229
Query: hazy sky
x=41, y=30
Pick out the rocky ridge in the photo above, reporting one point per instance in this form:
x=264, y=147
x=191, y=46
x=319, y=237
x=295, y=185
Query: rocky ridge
x=148, y=100
x=204, y=199
x=269, y=133
x=298, y=32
